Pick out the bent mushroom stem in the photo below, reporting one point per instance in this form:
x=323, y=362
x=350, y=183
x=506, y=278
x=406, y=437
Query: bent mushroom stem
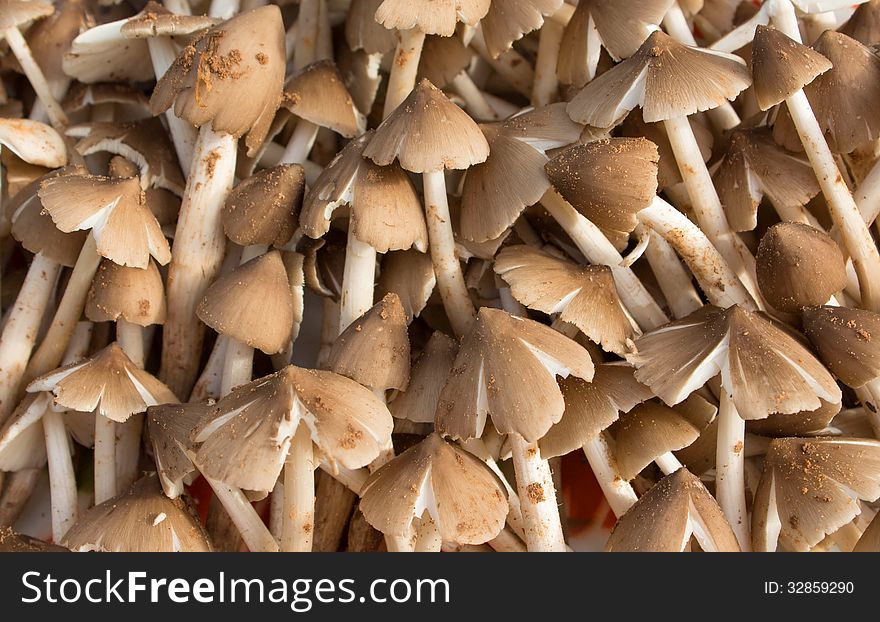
x=35, y=76
x=450, y=281
x=298, y=523
x=305, y=48
x=128, y=435
x=673, y=279
x=404, y=68
x=534, y=481
x=358, y=278
x=546, y=83
x=245, y=518
x=618, y=492
x=729, y=469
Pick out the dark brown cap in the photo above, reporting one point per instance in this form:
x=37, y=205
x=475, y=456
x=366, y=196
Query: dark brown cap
x=781, y=66
x=264, y=208
x=845, y=340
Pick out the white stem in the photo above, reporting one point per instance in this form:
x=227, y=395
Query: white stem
x=546, y=84
x=668, y=463
x=353, y=479
x=534, y=481
x=867, y=195
x=598, y=250
x=306, y=44
x=743, y=34
x=618, y=492
x=105, y=458
x=404, y=68
x=474, y=99
x=300, y=144
x=299, y=493
x=224, y=9
x=62, y=479
x=183, y=135
x=358, y=279
x=245, y=518
x=276, y=510
x=324, y=45
x=729, y=469
x=209, y=382
x=131, y=339
x=510, y=65
x=401, y=544
x=197, y=253
x=450, y=281
x=128, y=441
x=674, y=281
x=502, y=107
x=35, y=76
x=507, y=542
x=238, y=364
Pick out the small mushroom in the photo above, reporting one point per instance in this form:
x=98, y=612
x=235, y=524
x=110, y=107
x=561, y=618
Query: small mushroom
x=418, y=401
x=410, y=275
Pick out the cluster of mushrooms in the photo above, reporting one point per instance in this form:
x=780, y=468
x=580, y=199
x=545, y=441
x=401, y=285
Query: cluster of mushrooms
x=357, y=274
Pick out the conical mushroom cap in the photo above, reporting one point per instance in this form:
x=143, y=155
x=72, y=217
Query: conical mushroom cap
x=108, y=383
x=497, y=191
x=666, y=78
x=845, y=340
x=426, y=133
x=584, y=296
x=246, y=440
x=608, y=181
x=442, y=59
x=170, y=431
x=133, y=294
x=141, y=520
x=864, y=25
x=231, y=77
x=418, y=402
x=799, y=266
x=125, y=230
x=157, y=21
x=465, y=499
x=647, y=432
x=14, y=13
x=781, y=66
x=591, y=407
x=810, y=487
x=34, y=142
x=433, y=17
x=12, y=542
x=763, y=368
x=508, y=20
x=252, y=304
x=364, y=33
x=317, y=94
x=374, y=349
x=410, y=275
x=506, y=368
x=666, y=517
x=264, y=208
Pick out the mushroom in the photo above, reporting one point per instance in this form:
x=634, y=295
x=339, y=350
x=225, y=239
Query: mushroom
x=410, y=135
x=508, y=21
x=228, y=83
x=444, y=61
x=668, y=515
x=141, y=519
x=33, y=142
x=763, y=370
x=781, y=77
x=410, y=275
x=864, y=24
x=417, y=403
x=435, y=492
x=810, y=487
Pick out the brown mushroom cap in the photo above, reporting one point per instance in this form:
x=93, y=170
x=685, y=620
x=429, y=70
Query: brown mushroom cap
x=810, y=488
x=418, y=402
x=508, y=20
x=463, y=497
x=431, y=17
x=133, y=294
x=156, y=21
x=410, y=275
x=231, y=76
x=264, y=208
x=102, y=54
x=14, y=13
x=864, y=25
x=647, y=432
x=799, y=266
x=170, y=429
x=139, y=520
x=364, y=33
x=427, y=132
x=80, y=96
x=33, y=142
x=12, y=542
x=442, y=59
x=804, y=423
x=252, y=304
x=318, y=94
x=665, y=518
x=374, y=349
x=49, y=38
x=845, y=340
x=870, y=540
x=781, y=66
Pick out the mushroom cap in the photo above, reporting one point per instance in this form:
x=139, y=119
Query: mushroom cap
x=324, y=263
x=133, y=294
x=157, y=21
x=864, y=25
x=666, y=78
x=804, y=423
x=410, y=275
x=799, y=266
x=426, y=133
x=246, y=439
x=264, y=208
x=361, y=76
x=318, y=94
x=442, y=59
x=762, y=367
x=107, y=382
x=665, y=518
x=252, y=304
x=608, y=181
x=844, y=339
x=102, y=54
x=418, y=402
x=464, y=498
x=364, y=33
x=497, y=191
x=12, y=542
x=754, y=166
x=433, y=17
x=49, y=38
x=585, y=296
x=591, y=407
x=374, y=349
x=170, y=431
x=14, y=13
x=781, y=66
x=81, y=95
x=125, y=230
x=810, y=487
x=33, y=142
x=506, y=368
x=647, y=432
x=141, y=520
x=870, y=540
x=508, y=20
x=22, y=445
x=230, y=77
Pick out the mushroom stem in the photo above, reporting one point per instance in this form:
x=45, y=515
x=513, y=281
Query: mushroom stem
x=128, y=435
x=546, y=83
x=35, y=76
x=507, y=542
x=21, y=327
x=598, y=250
x=729, y=469
x=673, y=279
x=209, y=382
x=427, y=538
x=238, y=363
x=183, y=135
x=300, y=144
x=715, y=275
x=105, y=458
x=358, y=279
x=404, y=68
x=401, y=544
x=510, y=65
x=224, y=9
x=869, y=395
x=249, y=524
x=299, y=493
x=618, y=492
x=534, y=481
x=51, y=350
x=306, y=44
x=474, y=99
x=668, y=463
x=450, y=281
x=867, y=195
x=743, y=34
x=62, y=479
x=196, y=255
x=276, y=510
